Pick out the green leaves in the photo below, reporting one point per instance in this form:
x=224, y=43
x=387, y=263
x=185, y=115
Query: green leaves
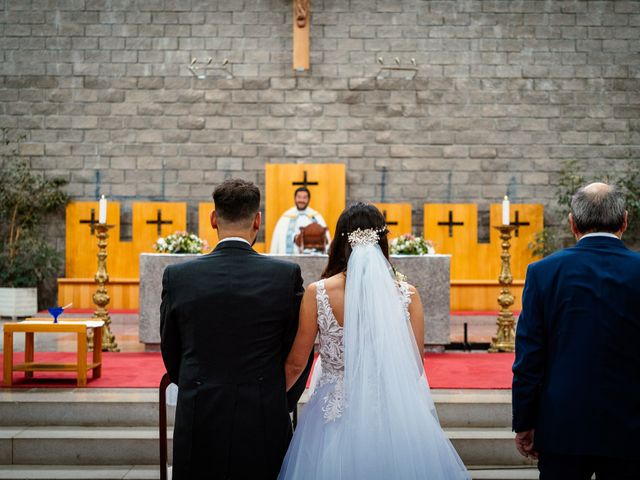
x=26, y=198
x=570, y=180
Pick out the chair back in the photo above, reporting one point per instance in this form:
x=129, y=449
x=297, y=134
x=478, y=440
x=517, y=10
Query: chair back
x=164, y=383
x=313, y=236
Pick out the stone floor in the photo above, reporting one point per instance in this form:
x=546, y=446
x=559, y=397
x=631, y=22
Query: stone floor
x=125, y=327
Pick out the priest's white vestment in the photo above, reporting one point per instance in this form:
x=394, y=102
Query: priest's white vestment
x=289, y=226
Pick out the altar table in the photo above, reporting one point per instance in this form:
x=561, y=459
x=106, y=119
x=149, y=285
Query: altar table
x=429, y=273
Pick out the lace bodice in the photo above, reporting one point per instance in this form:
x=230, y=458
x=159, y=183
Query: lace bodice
x=332, y=350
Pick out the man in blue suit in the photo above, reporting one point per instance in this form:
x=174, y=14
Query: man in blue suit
x=576, y=376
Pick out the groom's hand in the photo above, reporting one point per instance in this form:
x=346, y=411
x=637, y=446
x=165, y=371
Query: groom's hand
x=524, y=444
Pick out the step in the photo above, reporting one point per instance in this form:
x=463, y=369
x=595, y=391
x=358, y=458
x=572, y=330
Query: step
x=486, y=446
x=23, y=472
x=503, y=473
x=80, y=445
x=139, y=446
x=64, y=472
x=81, y=407
x=143, y=472
x=139, y=407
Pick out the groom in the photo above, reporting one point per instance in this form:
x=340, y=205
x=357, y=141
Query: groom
x=576, y=383
x=228, y=320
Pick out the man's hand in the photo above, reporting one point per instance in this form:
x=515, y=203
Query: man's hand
x=524, y=444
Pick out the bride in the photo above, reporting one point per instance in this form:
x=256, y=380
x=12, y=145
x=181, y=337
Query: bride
x=371, y=415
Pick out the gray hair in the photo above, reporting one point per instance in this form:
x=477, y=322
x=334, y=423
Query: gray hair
x=598, y=209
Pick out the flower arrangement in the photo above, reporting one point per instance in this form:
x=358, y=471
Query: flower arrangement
x=408, y=244
x=181, y=242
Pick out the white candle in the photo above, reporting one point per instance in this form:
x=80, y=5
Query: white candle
x=505, y=211
x=102, y=216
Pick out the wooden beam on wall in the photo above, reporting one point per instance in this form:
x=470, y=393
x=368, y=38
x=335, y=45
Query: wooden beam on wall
x=301, y=27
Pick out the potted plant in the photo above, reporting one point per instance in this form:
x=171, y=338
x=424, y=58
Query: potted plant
x=26, y=258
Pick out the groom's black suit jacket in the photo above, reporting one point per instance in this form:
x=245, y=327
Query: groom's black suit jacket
x=577, y=369
x=228, y=320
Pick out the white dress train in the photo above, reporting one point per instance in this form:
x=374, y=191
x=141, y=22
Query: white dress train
x=346, y=435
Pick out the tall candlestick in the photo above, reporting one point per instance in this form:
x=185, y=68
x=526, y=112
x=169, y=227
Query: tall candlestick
x=505, y=211
x=102, y=216
x=101, y=297
x=504, y=341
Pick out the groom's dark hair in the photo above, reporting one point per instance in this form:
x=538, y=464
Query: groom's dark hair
x=236, y=200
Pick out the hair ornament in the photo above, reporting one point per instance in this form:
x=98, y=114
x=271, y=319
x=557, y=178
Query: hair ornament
x=363, y=238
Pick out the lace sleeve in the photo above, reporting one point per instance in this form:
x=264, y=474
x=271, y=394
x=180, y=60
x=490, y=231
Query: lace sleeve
x=406, y=293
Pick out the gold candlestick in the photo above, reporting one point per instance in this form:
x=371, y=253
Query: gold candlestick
x=101, y=297
x=504, y=341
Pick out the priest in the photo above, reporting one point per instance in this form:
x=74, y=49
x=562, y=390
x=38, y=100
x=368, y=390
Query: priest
x=289, y=224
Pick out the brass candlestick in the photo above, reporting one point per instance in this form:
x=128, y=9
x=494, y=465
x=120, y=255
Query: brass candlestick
x=504, y=341
x=101, y=297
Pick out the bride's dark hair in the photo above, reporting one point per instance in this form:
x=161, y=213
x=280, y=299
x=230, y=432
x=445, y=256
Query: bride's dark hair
x=359, y=215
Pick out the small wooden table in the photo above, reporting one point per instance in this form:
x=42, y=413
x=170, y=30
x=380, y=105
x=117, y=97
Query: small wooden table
x=31, y=326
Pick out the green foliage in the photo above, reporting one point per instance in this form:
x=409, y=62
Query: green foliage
x=26, y=198
x=544, y=243
x=628, y=181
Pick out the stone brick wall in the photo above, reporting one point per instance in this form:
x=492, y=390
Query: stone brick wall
x=504, y=92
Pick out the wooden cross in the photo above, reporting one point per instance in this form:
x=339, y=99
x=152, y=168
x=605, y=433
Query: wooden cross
x=451, y=223
x=384, y=213
x=305, y=182
x=518, y=223
x=301, y=21
x=92, y=221
x=159, y=222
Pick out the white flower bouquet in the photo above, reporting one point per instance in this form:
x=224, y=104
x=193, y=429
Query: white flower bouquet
x=410, y=245
x=181, y=242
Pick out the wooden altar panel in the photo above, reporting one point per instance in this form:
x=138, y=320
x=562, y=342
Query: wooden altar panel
x=461, y=241
x=145, y=234
x=398, y=217
x=123, y=293
x=328, y=196
x=81, y=242
x=205, y=230
x=208, y=233
x=521, y=255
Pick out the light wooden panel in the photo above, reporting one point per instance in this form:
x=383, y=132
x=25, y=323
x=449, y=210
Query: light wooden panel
x=328, y=197
x=124, y=293
x=300, y=43
x=205, y=230
x=145, y=234
x=82, y=245
x=520, y=252
x=463, y=244
x=399, y=213
x=473, y=295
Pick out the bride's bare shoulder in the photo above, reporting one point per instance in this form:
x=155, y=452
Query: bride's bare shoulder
x=336, y=282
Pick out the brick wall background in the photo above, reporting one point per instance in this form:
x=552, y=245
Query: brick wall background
x=504, y=93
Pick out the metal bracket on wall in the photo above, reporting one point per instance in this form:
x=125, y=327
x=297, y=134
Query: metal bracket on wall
x=201, y=72
x=388, y=71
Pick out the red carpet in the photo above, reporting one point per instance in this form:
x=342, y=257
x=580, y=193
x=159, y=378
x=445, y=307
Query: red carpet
x=144, y=370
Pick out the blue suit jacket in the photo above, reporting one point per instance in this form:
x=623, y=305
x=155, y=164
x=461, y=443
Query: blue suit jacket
x=577, y=368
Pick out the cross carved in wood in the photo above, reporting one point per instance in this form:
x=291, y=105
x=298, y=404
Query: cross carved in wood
x=384, y=213
x=451, y=223
x=305, y=181
x=158, y=222
x=519, y=224
x=92, y=221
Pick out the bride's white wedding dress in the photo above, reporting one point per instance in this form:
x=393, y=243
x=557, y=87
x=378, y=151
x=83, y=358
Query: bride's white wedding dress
x=371, y=415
